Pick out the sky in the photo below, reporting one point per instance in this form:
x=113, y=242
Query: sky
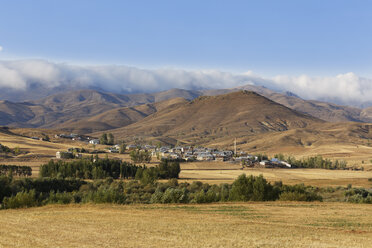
x=283, y=41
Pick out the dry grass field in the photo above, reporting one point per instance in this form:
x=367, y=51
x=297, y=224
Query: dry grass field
x=216, y=174
x=268, y=224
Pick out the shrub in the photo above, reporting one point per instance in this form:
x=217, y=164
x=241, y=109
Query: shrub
x=21, y=200
x=292, y=196
x=252, y=189
x=172, y=195
x=61, y=197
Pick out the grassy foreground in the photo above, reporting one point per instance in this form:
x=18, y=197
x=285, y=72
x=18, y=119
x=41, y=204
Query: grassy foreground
x=267, y=224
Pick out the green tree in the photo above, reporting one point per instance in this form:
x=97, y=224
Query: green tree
x=103, y=140
x=122, y=148
x=110, y=139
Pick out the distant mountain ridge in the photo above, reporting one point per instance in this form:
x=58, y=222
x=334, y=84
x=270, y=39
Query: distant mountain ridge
x=91, y=110
x=62, y=109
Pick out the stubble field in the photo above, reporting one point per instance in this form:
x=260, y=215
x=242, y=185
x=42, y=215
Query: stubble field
x=222, y=172
x=268, y=224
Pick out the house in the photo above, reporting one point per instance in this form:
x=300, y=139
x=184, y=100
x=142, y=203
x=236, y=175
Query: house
x=265, y=162
x=174, y=155
x=189, y=157
x=94, y=141
x=205, y=157
x=279, y=163
x=113, y=150
x=131, y=147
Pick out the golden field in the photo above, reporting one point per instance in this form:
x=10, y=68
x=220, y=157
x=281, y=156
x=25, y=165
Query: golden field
x=267, y=224
x=219, y=172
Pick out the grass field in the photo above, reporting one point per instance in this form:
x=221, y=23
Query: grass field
x=316, y=177
x=268, y=224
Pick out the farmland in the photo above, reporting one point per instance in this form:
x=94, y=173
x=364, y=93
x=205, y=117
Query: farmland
x=218, y=172
x=269, y=224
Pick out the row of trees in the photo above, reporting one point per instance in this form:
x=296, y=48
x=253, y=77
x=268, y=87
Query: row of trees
x=14, y=170
x=313, y=162
x=88, y=169
x=42, y=191
x=103, y=168
x=10, y=187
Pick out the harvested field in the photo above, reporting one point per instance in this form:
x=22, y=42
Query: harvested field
x=268, y=224
x=315, y=177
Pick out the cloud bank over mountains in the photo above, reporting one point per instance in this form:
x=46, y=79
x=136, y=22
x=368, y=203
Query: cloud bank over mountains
x=21, y=75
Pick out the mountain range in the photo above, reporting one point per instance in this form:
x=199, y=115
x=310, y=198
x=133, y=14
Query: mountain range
x=87, y=111
x=258, y=117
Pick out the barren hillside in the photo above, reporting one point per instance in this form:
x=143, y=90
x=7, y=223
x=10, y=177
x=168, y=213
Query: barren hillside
x=210, y=117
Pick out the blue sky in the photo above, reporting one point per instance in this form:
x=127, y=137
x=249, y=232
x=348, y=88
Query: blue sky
x=318, y=38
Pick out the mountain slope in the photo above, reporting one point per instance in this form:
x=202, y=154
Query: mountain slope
x=322, y=110
x=209, y=117
x=118, y=117
x=65, y=109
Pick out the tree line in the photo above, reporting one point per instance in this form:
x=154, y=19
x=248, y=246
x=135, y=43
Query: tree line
x=313, y=162
x=16, y=193
x=103, y=168
x=15, y=170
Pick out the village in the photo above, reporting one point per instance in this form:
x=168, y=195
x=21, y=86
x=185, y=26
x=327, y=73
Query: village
x=177, y=153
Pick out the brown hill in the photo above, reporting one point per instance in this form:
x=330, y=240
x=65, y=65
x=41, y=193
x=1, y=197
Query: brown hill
x=210, y=117
x=64, y=110
x=118, y=117
x=322, y=110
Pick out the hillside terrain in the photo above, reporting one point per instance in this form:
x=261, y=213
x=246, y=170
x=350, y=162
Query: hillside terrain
x=87, y=111
x=326, y=111
x=206, y=118
x=63, y=110
x=117, y=117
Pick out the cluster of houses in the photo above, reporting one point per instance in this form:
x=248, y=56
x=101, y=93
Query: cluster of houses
x=190, y=153
x=185, y=153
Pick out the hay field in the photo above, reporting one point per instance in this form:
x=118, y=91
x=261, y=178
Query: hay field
x=270, y=224
x=315, y=177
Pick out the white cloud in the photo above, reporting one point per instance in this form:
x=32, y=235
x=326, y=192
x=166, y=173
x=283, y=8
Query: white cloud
x=1, y=48
x=10, y=78
x=344, y=88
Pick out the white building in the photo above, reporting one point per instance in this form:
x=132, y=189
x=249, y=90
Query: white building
x=94, y=141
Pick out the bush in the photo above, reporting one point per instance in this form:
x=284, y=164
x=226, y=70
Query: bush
x=292, y=196
x=60, y=198
x=21, y=200
x=299, y=192
x=358, y=195
x=252, y=189
x=172, y=195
